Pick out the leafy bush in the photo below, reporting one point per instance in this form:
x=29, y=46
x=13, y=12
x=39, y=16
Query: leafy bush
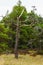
x=40, y=52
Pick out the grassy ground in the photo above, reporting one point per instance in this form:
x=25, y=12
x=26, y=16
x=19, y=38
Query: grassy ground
x=23, y=60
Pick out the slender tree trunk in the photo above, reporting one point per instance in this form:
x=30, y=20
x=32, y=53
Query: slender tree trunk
x=17, y=39
x=17, y=35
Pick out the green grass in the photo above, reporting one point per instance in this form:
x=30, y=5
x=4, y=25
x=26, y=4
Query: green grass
x=23, y=60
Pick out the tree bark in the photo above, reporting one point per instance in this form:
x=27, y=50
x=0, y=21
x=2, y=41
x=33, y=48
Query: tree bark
x=17, y=39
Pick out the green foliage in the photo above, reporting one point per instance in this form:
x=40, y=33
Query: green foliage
x=30, y=35
x=17, y=11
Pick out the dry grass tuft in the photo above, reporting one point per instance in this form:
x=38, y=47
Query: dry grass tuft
x=23, y=60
